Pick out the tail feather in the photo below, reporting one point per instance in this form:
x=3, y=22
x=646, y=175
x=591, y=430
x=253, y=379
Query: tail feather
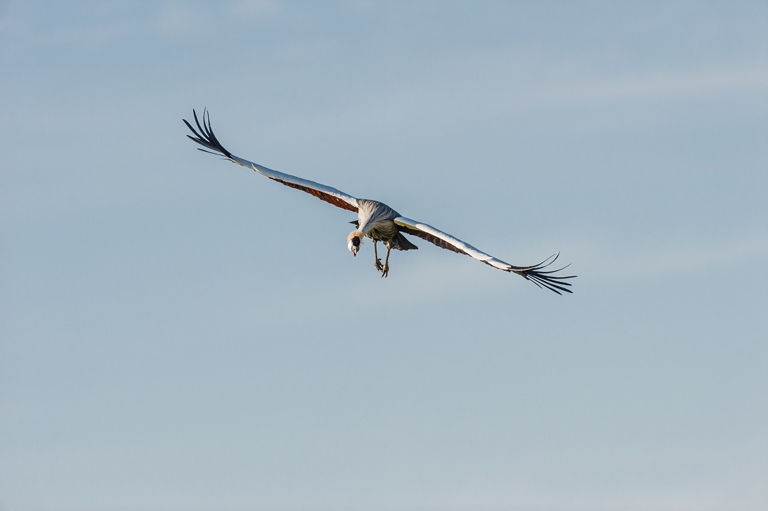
x=402, y=243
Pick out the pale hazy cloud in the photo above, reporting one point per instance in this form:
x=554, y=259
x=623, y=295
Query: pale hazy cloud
x=657, y=84
x=255, y=8
x=177, y=19
x=604, y=260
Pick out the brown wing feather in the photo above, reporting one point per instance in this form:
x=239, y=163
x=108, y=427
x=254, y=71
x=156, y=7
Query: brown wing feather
x=430, y=238
x=330, y=199
x=204, y=136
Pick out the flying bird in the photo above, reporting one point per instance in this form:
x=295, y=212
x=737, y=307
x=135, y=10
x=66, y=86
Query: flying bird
x=379, y=222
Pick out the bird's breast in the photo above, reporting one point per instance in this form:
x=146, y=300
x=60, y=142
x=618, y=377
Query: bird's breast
x=383, y=231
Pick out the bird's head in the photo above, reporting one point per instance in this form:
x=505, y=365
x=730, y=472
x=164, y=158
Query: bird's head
x=354, y=240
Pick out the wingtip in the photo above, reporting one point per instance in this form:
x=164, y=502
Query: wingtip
x=546, y=278
x=204, y=134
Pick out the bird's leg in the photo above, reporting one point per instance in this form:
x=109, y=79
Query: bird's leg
x=377, y=261
x=385, y=269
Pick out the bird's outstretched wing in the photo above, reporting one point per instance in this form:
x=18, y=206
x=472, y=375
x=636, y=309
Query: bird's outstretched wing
x=205, y=137
x=536, y=273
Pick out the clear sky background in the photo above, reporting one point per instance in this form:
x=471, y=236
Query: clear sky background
x=179, y=333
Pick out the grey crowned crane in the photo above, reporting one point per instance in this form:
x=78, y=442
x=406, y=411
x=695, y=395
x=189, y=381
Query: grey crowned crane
x=379, y=222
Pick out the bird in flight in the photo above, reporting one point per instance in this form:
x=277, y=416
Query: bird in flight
x=379, y=222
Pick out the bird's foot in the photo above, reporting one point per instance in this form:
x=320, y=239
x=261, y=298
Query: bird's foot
x=378, y=264
x=384, y=271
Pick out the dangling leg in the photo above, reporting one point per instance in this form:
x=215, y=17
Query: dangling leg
x=377, y=262
x=385, y=269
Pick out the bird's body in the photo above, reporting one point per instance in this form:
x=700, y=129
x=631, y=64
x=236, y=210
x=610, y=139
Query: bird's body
x=376, y=221
x=379, y=222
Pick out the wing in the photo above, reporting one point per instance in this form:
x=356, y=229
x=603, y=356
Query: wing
x=535, y=273
x=207, y=139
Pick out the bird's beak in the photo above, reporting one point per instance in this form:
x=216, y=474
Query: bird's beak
x=354, y=254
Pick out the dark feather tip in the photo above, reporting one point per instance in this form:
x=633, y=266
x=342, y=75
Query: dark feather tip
x=546, y=278
x=204, y=135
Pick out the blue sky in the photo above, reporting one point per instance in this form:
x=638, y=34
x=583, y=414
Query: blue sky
x=180, y=333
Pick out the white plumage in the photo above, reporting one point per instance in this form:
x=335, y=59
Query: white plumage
x=379, y=222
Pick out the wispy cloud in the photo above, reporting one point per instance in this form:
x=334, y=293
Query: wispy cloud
x=606, y=262
x=525, y=81
x=655, y=85
x=255, y=8
x=475, y=86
